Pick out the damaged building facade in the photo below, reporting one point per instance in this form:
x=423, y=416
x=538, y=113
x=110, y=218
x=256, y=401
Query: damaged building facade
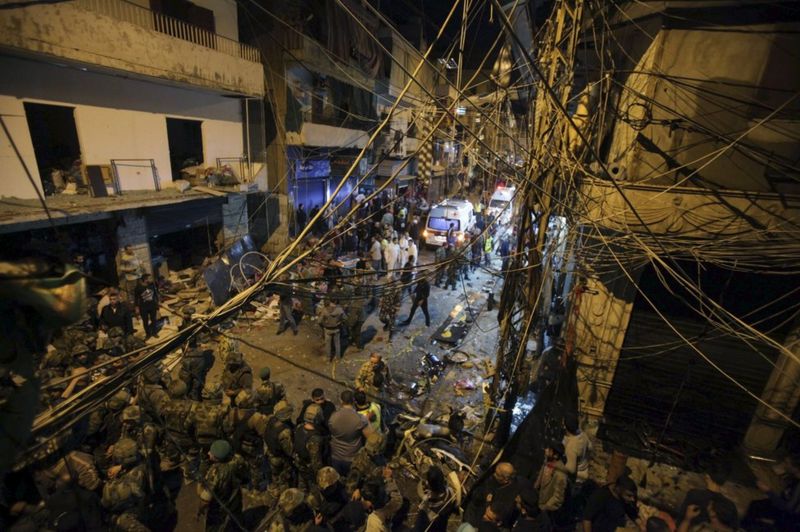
x=110, y=107
x=684, y=325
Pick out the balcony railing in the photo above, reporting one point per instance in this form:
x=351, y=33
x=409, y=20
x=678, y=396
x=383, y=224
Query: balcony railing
x=134, y=14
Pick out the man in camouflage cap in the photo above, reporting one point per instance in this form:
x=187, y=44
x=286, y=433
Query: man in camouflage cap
x=294, y=512
x=278, y=439
x=179, y=422
x=248, y=437
x=194, y=367
x=125, y=492
x=151, y=395
x=222, y=486
x=368, y=463
x=208, y=422
x=237, y=375
x=373, y=376
x=105, y=426
x=309, y=446
x=268, y=393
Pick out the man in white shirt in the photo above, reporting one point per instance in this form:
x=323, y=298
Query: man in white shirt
x=413, y=251
x=577, y=449
x=375, y=254
x=391, y=254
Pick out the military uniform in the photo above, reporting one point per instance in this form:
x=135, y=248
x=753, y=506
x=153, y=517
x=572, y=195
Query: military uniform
x=268, y=393
x=194, y=368
x=223, y=482
x=372, y=378
x=179, y=422
x=209, y=415
x=236, y=376
x=309, y=447
x=125, y=496
x=248, y=437
x=441, y=268
x=278, y=439
x=355, y=317
x=367, y=463
x=294, y=513
x=390, y=303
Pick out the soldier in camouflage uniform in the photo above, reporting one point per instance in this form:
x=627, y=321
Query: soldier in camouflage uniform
x=194, y=368
x=278, y=439
x=294, y=513
x=390, y=304
x=222, y=484
x=248, y=437
x=151, y=395
x=144, y=433
x=208, y=422
x=125, y=494
x=178, y=418
x=105, y=427
x=356, y=303
x=368, y=463
x=373, y=376
x=333, y=504
x=268, y=393
x=237, y=375
x=309, y=447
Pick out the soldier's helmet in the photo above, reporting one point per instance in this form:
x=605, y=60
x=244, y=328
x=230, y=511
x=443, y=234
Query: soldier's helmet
x=132, y=413
x=264, y=373
x=177, y=389
x=283, y=410
x=221, y=450
x=125, y=452
x=374, y=443
x=79, y=349
x=290, y=500
x=212, y=392
x=119, y=400
x=115, y=332
x=327, y=477
x=244, y=399
x=234, y=357
x=152, y=375
x=313, y=414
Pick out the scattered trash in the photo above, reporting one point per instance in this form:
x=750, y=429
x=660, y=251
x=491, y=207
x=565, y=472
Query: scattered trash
x=465, y=384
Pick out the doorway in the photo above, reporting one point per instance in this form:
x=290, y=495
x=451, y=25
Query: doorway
x=185, y=139
x=55, y=143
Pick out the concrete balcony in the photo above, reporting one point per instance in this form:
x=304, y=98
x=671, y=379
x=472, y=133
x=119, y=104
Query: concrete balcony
x=315, y=57
x=121, y=36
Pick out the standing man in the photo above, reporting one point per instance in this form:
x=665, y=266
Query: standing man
x=552, y=480
x=300, y=218
x=268, y=393
x=145, y=297
x=223, y=482
x=130, y=269
x=194, y=368
x=373, y=376
x=237, y=375
x=441, y=268
x=318, y=398
x=348, y=430
x=331, y=317
x=116, y=314
x=390, y=304
x=309, y=447
x=421, y=293
x=285, y=303
x=375, y=254
x=278, y=439
x=451, y=234
x=355, y=316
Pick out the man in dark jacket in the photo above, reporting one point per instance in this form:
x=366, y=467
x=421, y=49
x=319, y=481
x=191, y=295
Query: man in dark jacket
x=116, y=314
x=421, y=294
x=146, y=299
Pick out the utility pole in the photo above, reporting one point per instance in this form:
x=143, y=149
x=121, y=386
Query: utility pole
x=522, y=302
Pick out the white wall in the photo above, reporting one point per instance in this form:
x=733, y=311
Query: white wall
x=106, y=134
x=115, y=118
x=14, y=182
x=222, y=139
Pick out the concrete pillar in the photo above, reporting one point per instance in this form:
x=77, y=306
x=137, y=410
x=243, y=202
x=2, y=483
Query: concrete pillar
x=132, y=231
x=234, y=218
x=782, y=392
x=279, y=238
x=599, y=317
